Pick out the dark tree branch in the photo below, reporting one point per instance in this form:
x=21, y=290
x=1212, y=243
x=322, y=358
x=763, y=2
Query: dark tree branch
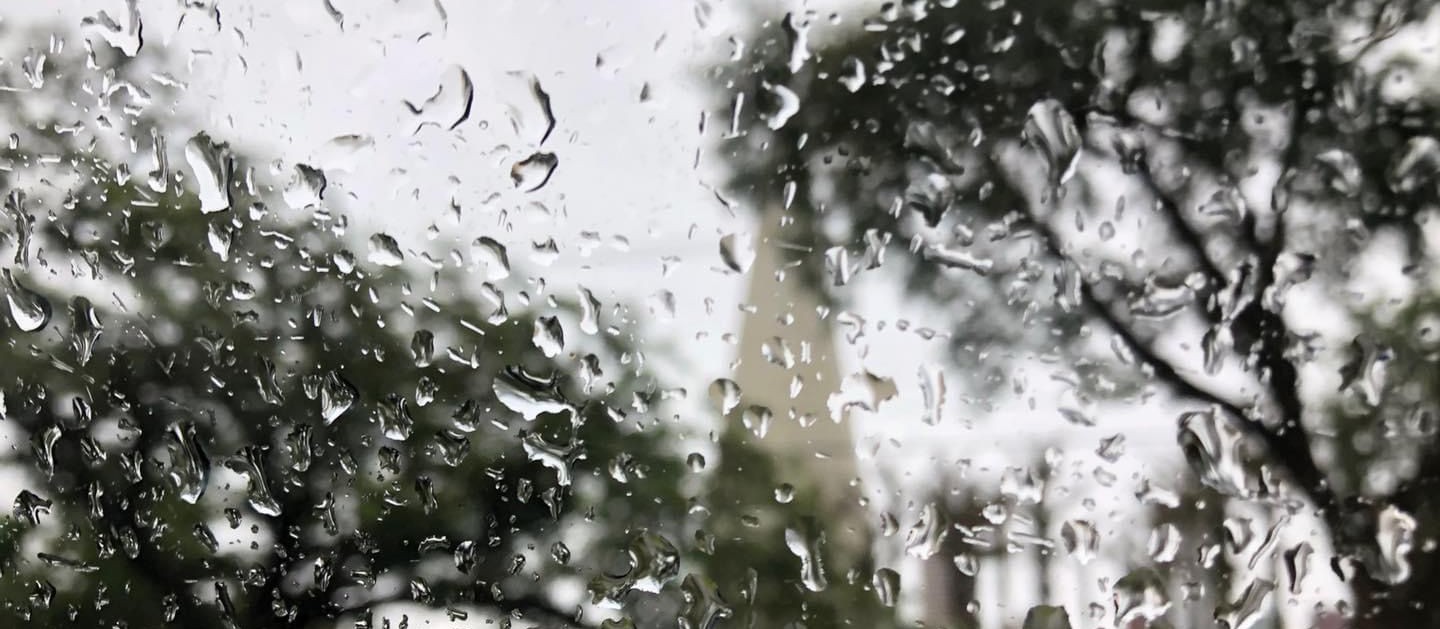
x=1289, y=445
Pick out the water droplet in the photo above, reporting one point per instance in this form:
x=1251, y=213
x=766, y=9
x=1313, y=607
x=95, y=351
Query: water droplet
x=548, y=336
x=863, y=390
x=529, y=395
x=124, y=35
x=1214, y=450
x=653, y=561
x=558, y=458
x=533, y=172
x=704, y=607
x=932, y=393
x=422, y=347
x=1417, y=165
x=1395, y=538
x=492, y=254
x=887, y=586
x=189, y=468
x=395, y=420
x=808, y=547
x=250, y=463
x=1080, y=540
x=783, y=104
x=1140, y=594
x=385, y=251
x=29, y=310
x=1050, y=129
x=306, y=188
x=928, y=533
x=725, y=395
x=1249, y=609
x=213, y=168
x=337, y=395
x=852, y=74
x=956, y=258
x=1341, y=170
x=589, y=312
x=737, y=251
x=451, y=103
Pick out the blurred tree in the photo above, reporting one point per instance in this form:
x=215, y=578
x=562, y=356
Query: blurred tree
x=224, y=416
x=1135, y=188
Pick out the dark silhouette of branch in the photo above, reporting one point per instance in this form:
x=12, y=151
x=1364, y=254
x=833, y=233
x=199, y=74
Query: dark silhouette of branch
x=1290, y=446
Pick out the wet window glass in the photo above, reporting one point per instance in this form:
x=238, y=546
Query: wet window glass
x=1021, y=314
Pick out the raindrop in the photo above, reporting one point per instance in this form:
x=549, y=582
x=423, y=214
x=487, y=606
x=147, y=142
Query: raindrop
x=737, y=251
x=887, y=586
x=1141, y=594
x=529, y=395
x=852, y=74
x=1080, y=540
x=932, y=392
x=928, y=534
x=1214, y=450
x=808, y=547
x=189, y=464
x=213, y=168
x=589, y=311
x=533, y=172
x=492, y=254
x=783, y=105
x=337, y=395
x=29, y=310
x=250, y=463
x=385, y=251
x=1050, y=129
x=548, y=336
x=725, y=395
x=306, y=188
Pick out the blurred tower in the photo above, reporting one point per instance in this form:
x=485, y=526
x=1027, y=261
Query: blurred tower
x=787, y=363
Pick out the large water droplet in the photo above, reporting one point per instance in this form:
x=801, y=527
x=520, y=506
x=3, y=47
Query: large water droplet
x=737, y=251
x=1050, y=129
x=1249, y=609
x=932, y=392
x=1215, y=451
x=704, y=607
x=189, y=468
x=306, y=188
x=1080, y=540
x=213, y=167
x=337, y=395
x=783, y=104
x=250, y=463
x=1417, y=165
x=548, y=336
x=1140, y=595
x=725, y=395
x=558, y=458
x=957, y=258
x=492, y=254
x=385, y=251
x=653, y=561
x=29, y=310
x=589, y=311
x=928, y=533
x=887, y=586
x=529, y=395
x=533, y=172
x=85, y=328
